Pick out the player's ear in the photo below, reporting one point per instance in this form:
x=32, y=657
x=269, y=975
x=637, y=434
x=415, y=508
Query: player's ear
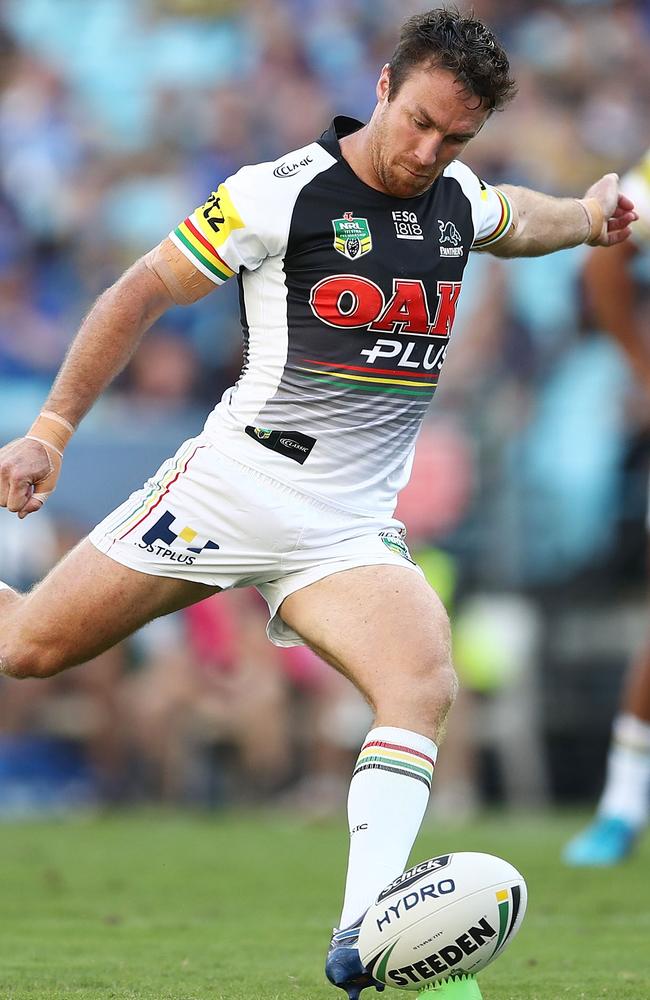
x=383, y=84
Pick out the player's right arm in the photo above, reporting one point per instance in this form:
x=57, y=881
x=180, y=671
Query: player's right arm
x=208, y=247
x=107, y=338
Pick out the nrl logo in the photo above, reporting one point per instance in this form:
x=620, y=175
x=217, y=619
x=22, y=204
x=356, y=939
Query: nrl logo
x=396, y=544
x=352, y=236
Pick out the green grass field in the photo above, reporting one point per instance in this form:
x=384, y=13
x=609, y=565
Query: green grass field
x=174, y=907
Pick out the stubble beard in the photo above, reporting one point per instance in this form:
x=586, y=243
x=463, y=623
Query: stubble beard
x=394, y=178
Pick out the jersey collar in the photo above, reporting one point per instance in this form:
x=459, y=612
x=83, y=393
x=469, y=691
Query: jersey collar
x=339, y=128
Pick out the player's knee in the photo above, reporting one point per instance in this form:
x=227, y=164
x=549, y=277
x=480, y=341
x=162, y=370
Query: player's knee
x=436, y=689
x=424, y=686
x=25, y=659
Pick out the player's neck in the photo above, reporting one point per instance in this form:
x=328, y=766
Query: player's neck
x=355, y=150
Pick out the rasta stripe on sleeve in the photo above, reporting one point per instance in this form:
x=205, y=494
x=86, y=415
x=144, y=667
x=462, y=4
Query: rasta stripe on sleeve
x=207, y=234
x=501, y=227
x=190, y=238
x=400, y=760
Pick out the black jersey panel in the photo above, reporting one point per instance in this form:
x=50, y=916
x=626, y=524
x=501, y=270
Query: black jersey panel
x=372, y=287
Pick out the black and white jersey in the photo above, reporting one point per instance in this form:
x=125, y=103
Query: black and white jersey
x=348, y=299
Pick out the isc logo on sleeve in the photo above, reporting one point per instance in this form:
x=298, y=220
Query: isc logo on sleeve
x=219, y=217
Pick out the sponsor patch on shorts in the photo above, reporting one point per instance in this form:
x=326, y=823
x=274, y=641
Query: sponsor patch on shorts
x=394, y=541
x=292, y=444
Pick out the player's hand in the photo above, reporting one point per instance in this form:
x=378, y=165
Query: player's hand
x=618, y=211
x=28, y=474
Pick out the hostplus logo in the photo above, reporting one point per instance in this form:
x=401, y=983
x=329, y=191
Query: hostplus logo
x=160, y=538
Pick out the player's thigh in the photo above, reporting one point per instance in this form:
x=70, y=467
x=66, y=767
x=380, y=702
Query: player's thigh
x=383, y=626
x=89, y=602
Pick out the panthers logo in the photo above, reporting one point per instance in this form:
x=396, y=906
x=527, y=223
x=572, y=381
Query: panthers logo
x=449, y=233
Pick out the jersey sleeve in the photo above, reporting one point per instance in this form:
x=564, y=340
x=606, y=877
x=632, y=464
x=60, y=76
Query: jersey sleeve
x=225, y=234
x=636, y=185
x=491, y=210
x=494, y=218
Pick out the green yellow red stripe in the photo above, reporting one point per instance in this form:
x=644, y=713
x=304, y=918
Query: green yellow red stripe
x=378, y=755
x=364, y=368
x=422, y=392
x=502, y=226
x=365, y=378
x=155, y=493
x=200, y=247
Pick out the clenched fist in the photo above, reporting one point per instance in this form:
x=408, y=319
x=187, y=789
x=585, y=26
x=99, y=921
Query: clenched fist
x=617, y=210
x=30, y=466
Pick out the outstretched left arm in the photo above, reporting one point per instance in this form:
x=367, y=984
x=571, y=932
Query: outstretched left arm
x=543, y=224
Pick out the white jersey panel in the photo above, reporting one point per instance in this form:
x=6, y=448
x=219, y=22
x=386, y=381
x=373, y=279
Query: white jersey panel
x=247, y=218
x=491, y=210
x=265, y=297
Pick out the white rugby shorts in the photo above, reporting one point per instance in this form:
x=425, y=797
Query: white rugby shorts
x=207, y=518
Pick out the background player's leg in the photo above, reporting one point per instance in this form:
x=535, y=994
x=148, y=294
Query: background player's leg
x=628, y=766
x=388, y=632
x=85, y=605
x=625, y=802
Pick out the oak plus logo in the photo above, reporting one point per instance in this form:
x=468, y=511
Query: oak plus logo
x=349, y=301
x=290, y=169
x=450, y=240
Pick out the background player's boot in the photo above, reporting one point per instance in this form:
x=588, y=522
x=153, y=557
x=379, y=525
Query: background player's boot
x=343, y=966
x=606, y=841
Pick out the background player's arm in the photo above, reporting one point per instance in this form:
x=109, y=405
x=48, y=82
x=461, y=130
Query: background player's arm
x=107, y=338
x=610, y=288
x=543, y=224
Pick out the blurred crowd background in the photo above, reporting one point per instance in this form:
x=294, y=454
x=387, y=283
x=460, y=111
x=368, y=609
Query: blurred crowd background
x=526, y=509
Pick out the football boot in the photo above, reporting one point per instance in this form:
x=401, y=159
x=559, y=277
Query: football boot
x=607, y=841
x=343, y=966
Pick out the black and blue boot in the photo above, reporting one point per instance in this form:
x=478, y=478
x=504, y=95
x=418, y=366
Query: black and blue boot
x=343, y=966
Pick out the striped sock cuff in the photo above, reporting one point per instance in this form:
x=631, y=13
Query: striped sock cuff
x=391, y=749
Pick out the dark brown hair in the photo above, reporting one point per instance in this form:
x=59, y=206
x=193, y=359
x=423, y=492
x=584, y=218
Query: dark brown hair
x=444, y=38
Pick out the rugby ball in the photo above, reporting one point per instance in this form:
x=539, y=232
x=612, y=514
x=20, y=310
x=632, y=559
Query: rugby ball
x=448, y=916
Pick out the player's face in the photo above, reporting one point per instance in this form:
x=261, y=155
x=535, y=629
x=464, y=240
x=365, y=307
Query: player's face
x=425, y=126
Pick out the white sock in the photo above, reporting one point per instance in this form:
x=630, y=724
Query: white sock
x=627, y=787
x=388, y=797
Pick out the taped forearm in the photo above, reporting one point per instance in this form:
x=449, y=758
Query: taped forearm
x=54, y=433
x=545, y=224
x=184, y=282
